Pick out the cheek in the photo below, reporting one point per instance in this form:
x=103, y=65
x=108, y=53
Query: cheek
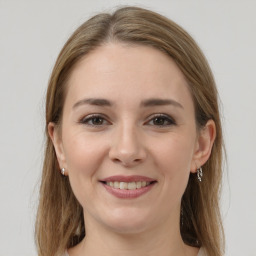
x=176, y=153
x=82, y=152
x=174, y=161
x=84, y=156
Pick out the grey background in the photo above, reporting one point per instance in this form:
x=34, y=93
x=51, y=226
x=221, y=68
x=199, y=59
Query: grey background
x=32, y=34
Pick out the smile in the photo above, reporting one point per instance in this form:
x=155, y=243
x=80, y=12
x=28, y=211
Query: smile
x=128, y=185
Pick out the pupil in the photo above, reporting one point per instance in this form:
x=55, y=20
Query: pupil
x=159, y=121
x=97, y=120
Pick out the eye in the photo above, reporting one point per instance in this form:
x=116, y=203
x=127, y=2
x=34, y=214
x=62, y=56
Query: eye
x=94, y=120
x=161, y=120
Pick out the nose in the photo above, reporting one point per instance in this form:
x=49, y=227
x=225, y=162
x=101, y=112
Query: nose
x=127, y=147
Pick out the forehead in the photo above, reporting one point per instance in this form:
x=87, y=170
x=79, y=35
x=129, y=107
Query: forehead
x=122, y=72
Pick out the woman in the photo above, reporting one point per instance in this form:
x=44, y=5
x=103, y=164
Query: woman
x=134, y=143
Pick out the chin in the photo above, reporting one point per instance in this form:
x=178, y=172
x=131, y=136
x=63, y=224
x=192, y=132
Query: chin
x=125, y=221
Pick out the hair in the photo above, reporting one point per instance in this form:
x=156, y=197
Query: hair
x=60, y=223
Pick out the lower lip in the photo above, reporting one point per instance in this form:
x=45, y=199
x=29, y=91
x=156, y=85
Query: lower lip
x=126, y=193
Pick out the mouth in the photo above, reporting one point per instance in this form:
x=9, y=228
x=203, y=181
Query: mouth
x=128, y=186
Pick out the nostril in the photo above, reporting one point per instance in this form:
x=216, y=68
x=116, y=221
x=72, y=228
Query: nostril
x=127, y=157
x=116, y=160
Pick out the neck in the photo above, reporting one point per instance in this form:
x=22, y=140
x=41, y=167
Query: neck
x=164, y=240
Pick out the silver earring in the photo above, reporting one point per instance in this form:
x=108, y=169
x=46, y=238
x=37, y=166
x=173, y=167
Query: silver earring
x=199, y=174
x=62, y=171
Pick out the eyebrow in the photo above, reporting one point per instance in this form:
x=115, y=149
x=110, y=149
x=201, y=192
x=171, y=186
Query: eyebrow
x=160, y=102
x=145, y=103
x=94, y=102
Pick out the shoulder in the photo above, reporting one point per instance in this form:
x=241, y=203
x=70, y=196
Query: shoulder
x=65, y=253
x=202, y=252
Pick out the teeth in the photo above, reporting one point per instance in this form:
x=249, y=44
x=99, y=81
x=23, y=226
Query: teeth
x=128, y=185
x=132, y=185
x=123, y=185
x=116, y=184
x=138, y=184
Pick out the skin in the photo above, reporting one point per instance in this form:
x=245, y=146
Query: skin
x=130, y=138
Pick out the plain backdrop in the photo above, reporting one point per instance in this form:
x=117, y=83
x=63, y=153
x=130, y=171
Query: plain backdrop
x=32, y=34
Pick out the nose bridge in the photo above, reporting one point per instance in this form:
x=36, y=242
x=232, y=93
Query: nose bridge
x=127, y=146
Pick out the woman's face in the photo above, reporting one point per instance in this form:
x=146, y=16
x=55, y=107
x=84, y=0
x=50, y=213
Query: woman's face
x=128, y=138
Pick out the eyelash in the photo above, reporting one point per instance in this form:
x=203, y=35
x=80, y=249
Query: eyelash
x=166, y=120
x=90, y=118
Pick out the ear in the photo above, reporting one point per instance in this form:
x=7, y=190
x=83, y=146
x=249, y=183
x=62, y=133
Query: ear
x=204, y=145
x=55, y=135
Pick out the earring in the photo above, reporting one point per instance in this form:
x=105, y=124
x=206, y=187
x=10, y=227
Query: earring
x=62, y=171
x=199, y=174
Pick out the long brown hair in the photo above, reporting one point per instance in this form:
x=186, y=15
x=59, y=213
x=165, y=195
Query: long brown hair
x=60, y=223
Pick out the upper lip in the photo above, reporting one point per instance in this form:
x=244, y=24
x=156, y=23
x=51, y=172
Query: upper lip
x=133, y=178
